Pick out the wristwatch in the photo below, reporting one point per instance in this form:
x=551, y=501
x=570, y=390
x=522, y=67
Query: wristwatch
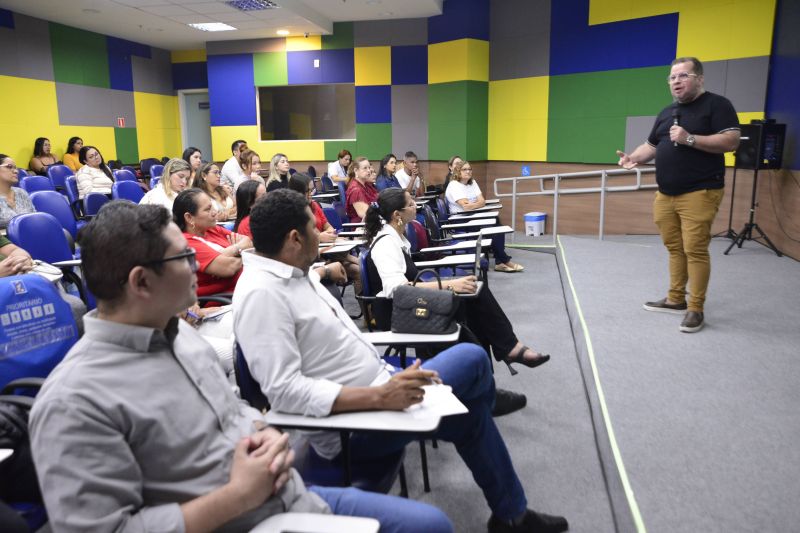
x=690, y=140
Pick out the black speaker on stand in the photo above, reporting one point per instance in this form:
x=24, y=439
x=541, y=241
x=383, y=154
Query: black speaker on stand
x=761, y=146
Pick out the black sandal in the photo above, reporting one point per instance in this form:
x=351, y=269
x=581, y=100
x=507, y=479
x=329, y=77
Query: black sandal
x=519, y=357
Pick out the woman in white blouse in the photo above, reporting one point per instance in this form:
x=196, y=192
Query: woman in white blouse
x=94, y=175
x=389, y=265
x=464, y=194
x=337, y=171
x=173, y=181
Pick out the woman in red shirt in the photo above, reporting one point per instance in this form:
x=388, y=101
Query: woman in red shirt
x=361, y=191
x=218, y=250
x=246, y=196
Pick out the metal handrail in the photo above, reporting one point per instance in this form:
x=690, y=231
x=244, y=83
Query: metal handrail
x=556, y=191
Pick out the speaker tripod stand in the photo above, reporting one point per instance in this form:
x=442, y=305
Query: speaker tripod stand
x=747, y=231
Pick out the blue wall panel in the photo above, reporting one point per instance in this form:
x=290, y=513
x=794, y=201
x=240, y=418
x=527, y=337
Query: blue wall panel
x=231, y=90
x=120, y=71
x=6, y=19
x=338, y=66
x=409, y=65
x=460, y=19
x=190, y=75
x=300, y=67
x=373, y=104
x=577, y=47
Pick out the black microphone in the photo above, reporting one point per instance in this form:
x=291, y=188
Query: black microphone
x=676, y=114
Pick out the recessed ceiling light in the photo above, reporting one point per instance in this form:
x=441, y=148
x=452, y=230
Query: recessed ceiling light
x=252, y=5
x=212, y=26
x=282, y=32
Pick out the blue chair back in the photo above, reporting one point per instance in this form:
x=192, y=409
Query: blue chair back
x=411, y=235
x=129, y=169
x=333, y=218
x=248, y=386
x=92, y=203
x=21, y=173
x=327, y=183
x=146, y=164
x=340, y=209
x=41, y=235
x=311, y=171
x=124, y=175
x=342, y=191
x=127, y=190
x=73, y=196
x=38, y=332
x=58, y=175
x=441, y=207
x=292, y=171
x=366, y=290
x=36, y=183
x=57, y=205
x=156, y=171
x=154, y=182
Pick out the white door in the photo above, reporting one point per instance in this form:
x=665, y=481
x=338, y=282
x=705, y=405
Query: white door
x=196, y=121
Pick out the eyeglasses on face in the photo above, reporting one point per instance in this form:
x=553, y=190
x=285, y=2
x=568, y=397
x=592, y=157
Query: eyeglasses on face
x=466, y=169
x=683, y=76
x=10, y=167
x=189, y=254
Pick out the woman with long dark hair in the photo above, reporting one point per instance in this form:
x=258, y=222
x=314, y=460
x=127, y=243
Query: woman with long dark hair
x=72, y=154
x=207, y=179
x=194, y=157
x=42, y=158
x=94, y=175
x=246, y=196
x=390, y=265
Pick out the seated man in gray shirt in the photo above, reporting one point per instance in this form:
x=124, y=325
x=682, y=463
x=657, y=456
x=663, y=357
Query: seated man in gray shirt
x=310, y=358
x=138, y=430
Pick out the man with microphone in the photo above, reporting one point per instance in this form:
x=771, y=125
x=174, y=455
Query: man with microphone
x=688, y=141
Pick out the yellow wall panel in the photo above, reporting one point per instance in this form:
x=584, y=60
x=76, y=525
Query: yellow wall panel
x=188, y=56
x=373, y=65
x=711, y=30
x=463, y=59
x=158, y=129
x=223, y=136
x=518, y=111
x=298, y=44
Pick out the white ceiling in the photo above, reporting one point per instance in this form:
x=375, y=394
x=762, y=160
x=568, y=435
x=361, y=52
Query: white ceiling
x=163, y=23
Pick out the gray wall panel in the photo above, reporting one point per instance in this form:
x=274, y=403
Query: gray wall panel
x=80, y=105
x=153, y=75
x=401, y=32
x=519, y=39
x=410, y=120
x=245, y=46
x=637, y=129
x=25, y=50
x=746, y=84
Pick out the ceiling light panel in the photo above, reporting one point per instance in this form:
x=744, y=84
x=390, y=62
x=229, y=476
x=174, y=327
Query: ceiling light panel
x=252, y=5
x=212, y=26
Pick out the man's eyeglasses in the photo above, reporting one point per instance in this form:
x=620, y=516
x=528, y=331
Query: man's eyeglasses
x=683, y=76
x=189, y=254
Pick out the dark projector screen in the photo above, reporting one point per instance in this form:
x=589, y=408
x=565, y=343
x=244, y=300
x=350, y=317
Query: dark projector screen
x=301, y=112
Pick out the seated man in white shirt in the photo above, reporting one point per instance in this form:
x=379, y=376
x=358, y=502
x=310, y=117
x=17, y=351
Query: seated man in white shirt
x=410, y=170
x=311, y=359
x=231, y=173
x=137, y=428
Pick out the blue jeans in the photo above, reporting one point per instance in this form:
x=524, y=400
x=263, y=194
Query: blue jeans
x=396, y=515
x=499, y=247
x=466, y=368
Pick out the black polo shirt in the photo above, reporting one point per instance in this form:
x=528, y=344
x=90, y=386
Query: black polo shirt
x=681, y=169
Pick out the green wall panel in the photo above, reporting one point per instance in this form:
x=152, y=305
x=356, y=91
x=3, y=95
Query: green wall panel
x=447, y=138
x=588, y=111
x=332, y=149
x=458, y=119
x=269, y=68
x=79, y=57
x=374, y=141
x=342, y=36
x=127, y=145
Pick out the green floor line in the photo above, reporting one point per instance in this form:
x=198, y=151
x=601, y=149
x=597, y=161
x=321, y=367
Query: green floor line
x=637, y=516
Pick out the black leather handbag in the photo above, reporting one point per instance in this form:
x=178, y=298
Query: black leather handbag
x=423, y=311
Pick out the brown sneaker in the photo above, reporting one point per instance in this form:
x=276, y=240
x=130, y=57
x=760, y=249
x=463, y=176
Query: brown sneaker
x=693, y=321
x=662, y=306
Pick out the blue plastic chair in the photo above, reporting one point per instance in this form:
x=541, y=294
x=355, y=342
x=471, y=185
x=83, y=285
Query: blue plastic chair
x=342, y=191
x=146, y=164
x=124, y=175
x=41, y=235
x=21, y=173
x=443, y=210
x=36, y=183
x=57, y=205
x=73, y=196
x=127, y=190
x=156, y=171
x=58, y=175
x=333, y=218
x=327, y=183
x=49, y=328
x=375, y=475
x=92, y=203
x=154, y=182
x=312, y=172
